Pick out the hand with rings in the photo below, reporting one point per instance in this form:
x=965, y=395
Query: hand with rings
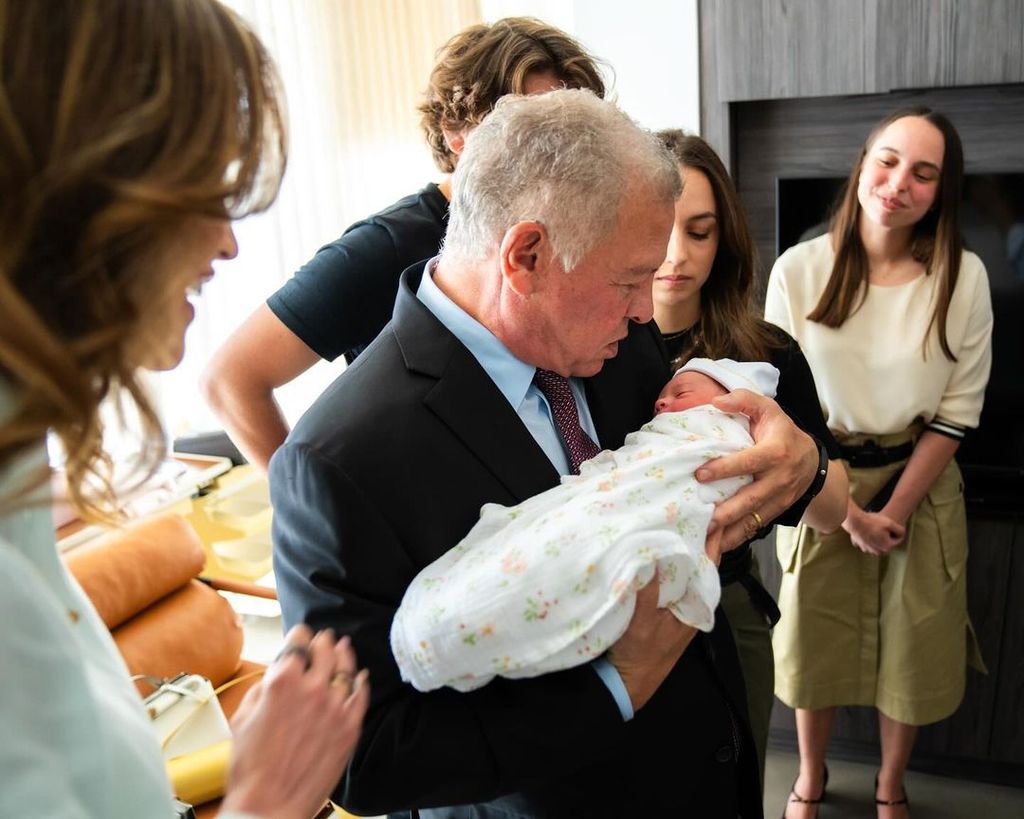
x=296, y=731
x=782, y=461
x=295, y=650
x=342, y=679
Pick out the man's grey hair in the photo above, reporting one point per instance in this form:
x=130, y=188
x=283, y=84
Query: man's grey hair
x=566, y=159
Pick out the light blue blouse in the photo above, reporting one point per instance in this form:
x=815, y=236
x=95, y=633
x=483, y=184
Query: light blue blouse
x=75, y=740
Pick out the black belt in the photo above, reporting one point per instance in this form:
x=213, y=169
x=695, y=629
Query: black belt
x=870, y=455
x=737, y=570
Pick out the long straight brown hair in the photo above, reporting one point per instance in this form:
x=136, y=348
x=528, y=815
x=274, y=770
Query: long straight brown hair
x=936, y=241
x=728, y=325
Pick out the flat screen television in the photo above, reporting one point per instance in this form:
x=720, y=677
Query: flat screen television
x=992, y=217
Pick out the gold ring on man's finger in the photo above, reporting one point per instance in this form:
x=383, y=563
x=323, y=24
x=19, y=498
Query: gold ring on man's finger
x=758, y=520
x=341, y=679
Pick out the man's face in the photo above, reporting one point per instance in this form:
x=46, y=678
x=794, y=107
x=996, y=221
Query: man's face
x=578, y=317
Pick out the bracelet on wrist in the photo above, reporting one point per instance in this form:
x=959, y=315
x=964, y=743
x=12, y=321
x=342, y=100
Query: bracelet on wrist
x=819, y=475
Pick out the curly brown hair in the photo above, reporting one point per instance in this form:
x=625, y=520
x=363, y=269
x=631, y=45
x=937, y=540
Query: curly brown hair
x=483, y=63
x=119, y=120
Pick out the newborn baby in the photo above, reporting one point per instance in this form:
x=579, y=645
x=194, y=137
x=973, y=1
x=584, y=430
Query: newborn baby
x=551, y=583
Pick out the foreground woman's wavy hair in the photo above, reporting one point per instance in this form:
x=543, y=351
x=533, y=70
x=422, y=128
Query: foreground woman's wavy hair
x=108, y=143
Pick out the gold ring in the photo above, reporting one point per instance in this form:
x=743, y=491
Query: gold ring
x=341, y=679
x=758, y=520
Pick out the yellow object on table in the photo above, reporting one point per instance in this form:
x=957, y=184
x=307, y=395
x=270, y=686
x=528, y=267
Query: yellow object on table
x=233, y=522
x=199, y=776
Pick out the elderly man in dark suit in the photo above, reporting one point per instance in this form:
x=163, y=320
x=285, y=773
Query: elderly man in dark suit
x=510, y=359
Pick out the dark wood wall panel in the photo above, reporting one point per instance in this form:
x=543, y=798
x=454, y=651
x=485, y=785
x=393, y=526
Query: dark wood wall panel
x=916, y=41
x=1009, y=724
x=776, y=49
x=821, y=137
x=755, y=50
x=936, y=43
x=779, y=40
x=989, y=41
x=714, y=110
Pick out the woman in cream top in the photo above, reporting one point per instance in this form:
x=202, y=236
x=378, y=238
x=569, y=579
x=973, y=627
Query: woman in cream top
x=870, y=373
x=895, y=320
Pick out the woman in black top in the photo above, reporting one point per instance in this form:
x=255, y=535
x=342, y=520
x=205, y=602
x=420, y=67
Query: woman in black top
x=703, y=307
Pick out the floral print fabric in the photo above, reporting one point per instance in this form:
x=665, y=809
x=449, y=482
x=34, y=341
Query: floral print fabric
x=551, y=583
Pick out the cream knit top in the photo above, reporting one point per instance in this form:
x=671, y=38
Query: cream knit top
x=872, y=373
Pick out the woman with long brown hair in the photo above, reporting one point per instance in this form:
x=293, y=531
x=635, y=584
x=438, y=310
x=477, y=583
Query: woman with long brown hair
x=703, y=306
x=895, y=319
x=130, y=132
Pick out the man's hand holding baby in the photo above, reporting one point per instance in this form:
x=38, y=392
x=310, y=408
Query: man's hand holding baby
x=783, y=461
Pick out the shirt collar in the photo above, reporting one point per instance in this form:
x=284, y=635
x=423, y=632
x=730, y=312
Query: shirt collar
x=509, y=374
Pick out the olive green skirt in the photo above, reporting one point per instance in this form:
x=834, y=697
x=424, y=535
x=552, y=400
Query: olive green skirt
x=890, y=632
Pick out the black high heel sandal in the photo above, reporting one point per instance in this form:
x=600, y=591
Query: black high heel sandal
x=795, y=797
x=892, y=803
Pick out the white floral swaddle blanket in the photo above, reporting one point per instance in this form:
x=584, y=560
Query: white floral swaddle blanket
x=551, y=583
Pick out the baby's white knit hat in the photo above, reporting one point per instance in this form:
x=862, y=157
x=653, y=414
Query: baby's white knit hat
x=756, y=376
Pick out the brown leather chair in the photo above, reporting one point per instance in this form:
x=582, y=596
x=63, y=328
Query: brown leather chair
x=143, y=582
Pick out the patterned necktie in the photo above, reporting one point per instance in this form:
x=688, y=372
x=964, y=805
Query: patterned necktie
x=563, y=407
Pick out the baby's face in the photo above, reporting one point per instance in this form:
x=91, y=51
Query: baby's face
x=686, y=391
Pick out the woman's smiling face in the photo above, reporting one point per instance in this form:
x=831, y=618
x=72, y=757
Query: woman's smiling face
x=899, y=178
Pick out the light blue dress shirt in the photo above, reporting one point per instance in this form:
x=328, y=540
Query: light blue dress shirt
x=514, y=379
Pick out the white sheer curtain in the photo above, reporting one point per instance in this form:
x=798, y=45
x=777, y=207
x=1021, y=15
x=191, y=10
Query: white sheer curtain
x=353, y=72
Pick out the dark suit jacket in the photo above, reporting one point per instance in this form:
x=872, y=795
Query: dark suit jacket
x=386, y=472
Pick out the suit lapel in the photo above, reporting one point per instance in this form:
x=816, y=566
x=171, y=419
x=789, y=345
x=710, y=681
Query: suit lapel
x=476, y=412
x=620, y=397
x=465, y=398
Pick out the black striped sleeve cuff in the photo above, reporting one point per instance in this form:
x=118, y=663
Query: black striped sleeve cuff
x=950, y=430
